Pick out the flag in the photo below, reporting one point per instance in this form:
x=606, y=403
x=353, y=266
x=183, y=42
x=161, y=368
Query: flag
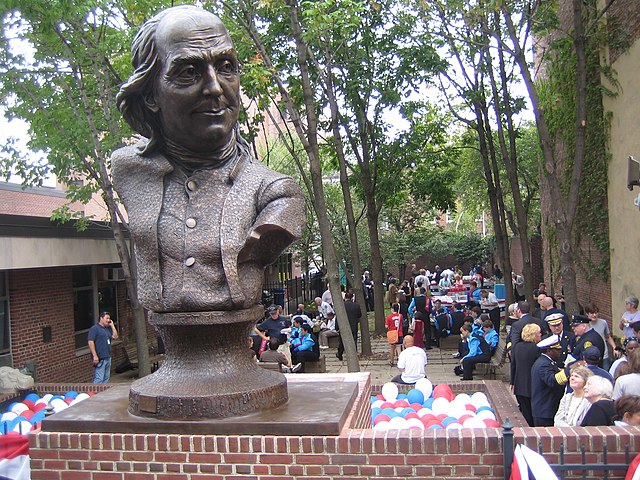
x=634, y=472
x=519, y=470
x=538, y=466
x=14, y=457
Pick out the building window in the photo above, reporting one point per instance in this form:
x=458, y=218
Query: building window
x=108, y=300
x=84, y=304
x=5, y=327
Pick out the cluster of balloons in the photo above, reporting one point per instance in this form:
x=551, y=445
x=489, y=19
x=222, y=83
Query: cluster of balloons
x=425, y=407
x=27, y=415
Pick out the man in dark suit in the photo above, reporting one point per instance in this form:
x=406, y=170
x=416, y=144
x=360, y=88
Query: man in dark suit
x=354, y=313
x=547, y=387
x=524, y=318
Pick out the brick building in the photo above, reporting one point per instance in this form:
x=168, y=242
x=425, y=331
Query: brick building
x=54, y=281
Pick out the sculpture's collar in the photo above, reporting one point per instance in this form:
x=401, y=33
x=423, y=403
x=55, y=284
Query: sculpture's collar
x=191, y=161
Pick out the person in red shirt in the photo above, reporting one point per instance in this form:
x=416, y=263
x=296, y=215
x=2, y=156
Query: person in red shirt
x=394, y=322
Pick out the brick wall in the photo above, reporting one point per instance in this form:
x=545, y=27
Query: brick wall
x=42, y=297
x=356, y=453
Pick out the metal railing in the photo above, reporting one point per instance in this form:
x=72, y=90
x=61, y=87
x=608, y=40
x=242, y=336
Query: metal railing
x=562, y=467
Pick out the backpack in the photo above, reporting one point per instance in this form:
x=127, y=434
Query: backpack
x=484, y=346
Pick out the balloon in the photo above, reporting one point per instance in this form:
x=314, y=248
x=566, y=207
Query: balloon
x=471, y=407
x=454, y=426
x=412, y=415
x=440, y=405
x=415, y=396
x=447, y=420
x=71, y=394
x=381, y=418
x=18, y=408
x=29, y=403
x=424, y=411
x=32, y=397
x=491, y=423
x=415, y=423
x=425, y=386
x=84, y=396
x=390, y=391
x=377, y=404
x=381, y=426
x=8, y=416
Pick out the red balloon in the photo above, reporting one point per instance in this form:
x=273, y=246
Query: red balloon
x=432, y=422
x=491, y=423
x=443, y=390
x=442, y=416
x=412, y=415
x=29, y=403
x=416, y=406
x=39, y=406
x=381, y=417
x=387, y=405
x=91, y=394
x=463, y=418
x=380, y=397
x=400, y=403
x=28, y=414
x=69, y=400
x=470, y=407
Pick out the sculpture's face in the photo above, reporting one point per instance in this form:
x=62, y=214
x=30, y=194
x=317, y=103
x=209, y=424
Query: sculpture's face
x=197, y=91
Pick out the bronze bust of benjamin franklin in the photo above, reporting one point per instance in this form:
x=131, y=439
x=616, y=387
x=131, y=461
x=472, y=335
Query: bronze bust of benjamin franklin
x=205, y=219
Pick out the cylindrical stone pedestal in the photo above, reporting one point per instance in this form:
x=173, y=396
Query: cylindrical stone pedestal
x=208, y=371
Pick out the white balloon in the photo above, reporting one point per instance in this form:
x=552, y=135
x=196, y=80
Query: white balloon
x=377, y=403
x=440, y=405
x=454, y=426
x=58, y=407
x=22, y=427
x=82, y=396
x=473, y=423
x=463, y=398
x=415, y=423
x=456, y=410
x=480, y=397
x=390, y=391
x=7, y=416
x=425, y=386
x=46, y=398
x=486, y=414
x=424, y=411
x=383, y=425
x=399, y=409
x=18, y=408
x=397, y=423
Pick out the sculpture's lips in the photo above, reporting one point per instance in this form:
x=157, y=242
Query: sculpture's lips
x=212, y=112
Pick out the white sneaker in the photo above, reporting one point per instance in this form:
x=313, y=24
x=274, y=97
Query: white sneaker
x=296, y=368
x=324, y=347
x=286, y=369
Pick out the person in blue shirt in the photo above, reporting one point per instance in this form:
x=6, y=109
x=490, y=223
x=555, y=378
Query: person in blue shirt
x=307, y=350
x=99, y=340
x=295, y=336
x=490, y=335
x=478, y=352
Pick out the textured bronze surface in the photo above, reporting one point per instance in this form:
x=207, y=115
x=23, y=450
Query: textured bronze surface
x=205, y=218
x=314, y=408
x=208, y=371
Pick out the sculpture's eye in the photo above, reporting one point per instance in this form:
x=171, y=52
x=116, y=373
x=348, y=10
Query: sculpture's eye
x=188, y=72
x=227, y=67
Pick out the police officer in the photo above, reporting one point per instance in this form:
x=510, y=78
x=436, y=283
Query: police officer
x=547, y=382
x=585, y=336
x=555, y=321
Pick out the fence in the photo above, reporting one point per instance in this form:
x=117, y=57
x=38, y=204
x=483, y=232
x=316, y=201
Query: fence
x=290, y=293
x=562, y=467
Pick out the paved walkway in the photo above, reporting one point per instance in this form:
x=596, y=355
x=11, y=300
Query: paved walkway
x=439, y=367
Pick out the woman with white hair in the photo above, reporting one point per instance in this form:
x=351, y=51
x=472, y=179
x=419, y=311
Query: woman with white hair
x=574, y=406
x=598, y=390
x=630, y=316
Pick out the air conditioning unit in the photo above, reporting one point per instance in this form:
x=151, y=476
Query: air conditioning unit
x=113, y=274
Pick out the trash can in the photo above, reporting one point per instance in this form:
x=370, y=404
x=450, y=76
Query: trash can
x=278, y=296
x=499, y=290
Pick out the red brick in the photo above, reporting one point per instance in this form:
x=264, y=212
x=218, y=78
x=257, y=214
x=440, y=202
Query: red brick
x=76, y=476
x=312, y=459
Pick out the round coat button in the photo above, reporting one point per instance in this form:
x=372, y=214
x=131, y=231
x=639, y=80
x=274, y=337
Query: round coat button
x=190, y=222
x=189, y=261
x=192, y=185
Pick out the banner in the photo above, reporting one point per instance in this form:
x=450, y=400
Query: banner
x=14, y=457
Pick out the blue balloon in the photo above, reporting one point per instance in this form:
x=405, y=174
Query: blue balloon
x=415, y=396
x=56, y=396
x=389, y=411
x=375, y=411
x=407, y=411
x=484, y=407
x=4, y=427
x=428, y=403
x=446, y=421
x=34, y=397
x=435, y=427
x=37, y=417
x=71, y=394
x=402, y=396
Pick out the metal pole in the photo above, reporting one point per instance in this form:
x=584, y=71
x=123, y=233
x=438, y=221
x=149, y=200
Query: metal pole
x=507, y=447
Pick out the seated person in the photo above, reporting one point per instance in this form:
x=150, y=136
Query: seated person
x=479, y=352
x=490, y=335
x=307, y=350
x=411, y=362
x=295, y=334
x=598, y=390
x=274, y=356
x=463, y=346
x=331, y=330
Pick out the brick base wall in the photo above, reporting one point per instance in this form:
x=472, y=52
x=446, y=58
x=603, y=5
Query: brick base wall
x=356, y=453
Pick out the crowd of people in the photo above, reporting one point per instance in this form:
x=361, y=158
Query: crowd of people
x=563, y=371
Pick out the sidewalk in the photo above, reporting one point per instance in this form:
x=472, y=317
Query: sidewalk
x=440, y=363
